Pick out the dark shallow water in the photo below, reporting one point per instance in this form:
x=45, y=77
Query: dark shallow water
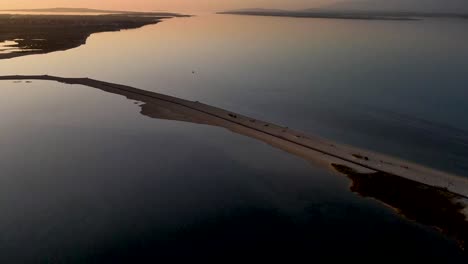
x=87, y=179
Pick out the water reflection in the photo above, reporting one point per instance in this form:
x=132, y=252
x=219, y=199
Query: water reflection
x=11, y=46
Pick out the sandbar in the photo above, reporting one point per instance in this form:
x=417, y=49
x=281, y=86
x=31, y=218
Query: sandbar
x=420, y=193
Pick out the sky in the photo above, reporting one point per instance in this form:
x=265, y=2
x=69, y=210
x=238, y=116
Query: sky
x=167, y=5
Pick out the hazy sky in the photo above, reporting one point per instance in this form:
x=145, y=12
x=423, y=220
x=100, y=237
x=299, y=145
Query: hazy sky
x=171, y=5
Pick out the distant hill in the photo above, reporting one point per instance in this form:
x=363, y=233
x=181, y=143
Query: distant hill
x=89, y=10
x=67, y=10
x=319, y=14
x=414, y=6
x=256, y=10
x=371, y=9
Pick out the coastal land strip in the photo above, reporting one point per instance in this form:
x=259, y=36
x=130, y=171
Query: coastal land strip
x=329, y=15
x=37, y=34
x=356, y=15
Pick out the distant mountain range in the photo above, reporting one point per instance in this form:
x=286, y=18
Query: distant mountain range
x=371, y=10
x=322, y=14
x=375, y=7
x=256, y=10
x=68, y=10
x=90, y=11
x=417, y=6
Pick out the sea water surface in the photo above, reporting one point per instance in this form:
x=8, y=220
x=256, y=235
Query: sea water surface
x=85, y=178
x=397, y=87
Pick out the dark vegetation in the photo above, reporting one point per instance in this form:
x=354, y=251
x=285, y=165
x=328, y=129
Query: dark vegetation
x=424, y=204
x=47, y=33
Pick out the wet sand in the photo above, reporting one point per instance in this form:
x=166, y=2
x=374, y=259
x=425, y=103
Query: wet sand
x=420, y=193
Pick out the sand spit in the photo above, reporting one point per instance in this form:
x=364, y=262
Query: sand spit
x=315, y=149
x=422, y=194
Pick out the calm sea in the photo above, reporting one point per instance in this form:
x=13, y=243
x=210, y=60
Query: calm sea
x=397, y=87
x=85, y=178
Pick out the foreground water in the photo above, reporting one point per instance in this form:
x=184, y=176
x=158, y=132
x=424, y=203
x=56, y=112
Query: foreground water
x=86, y=178
x=392, y=86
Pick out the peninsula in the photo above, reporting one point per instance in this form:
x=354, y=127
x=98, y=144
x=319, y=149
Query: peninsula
x=22, y=35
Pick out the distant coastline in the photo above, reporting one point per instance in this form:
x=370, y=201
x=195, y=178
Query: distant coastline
x=320, y=15
x=63, y=10
x=357, y=15
x=21, y=36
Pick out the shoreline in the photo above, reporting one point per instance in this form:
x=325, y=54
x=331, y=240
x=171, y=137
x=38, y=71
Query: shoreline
x=348, y=14
x=322, y=15
x=23, y=30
